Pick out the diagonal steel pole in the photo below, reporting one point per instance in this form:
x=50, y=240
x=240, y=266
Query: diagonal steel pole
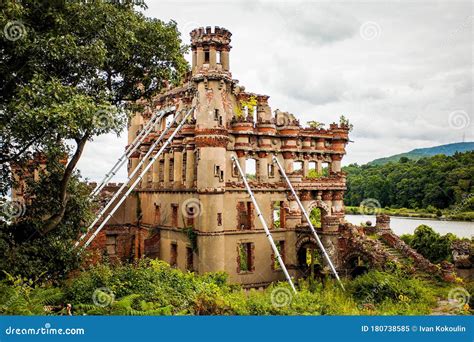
x=333, y=269
x=139, y=178
x=264, y=224
x=130, y=177
x=131, y=148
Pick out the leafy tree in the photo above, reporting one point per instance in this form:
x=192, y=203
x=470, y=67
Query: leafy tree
x=72, y=72
x=439, y=181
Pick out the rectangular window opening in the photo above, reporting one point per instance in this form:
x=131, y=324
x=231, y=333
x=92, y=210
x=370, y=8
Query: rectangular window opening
x=174, y=254
x=245, y=257
x=280, y=245
x=174, y=215
x=189, y=259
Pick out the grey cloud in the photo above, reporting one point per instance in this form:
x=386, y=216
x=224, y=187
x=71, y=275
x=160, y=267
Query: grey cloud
x=398, y=90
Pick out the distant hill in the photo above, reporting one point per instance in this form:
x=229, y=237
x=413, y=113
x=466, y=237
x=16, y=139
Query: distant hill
x=418, y=153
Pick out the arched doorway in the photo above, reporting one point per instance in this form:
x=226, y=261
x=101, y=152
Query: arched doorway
x=356, y=264
x=317, y=211
x=309, y=258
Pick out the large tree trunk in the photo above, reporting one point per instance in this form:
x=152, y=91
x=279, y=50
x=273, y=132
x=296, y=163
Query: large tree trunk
x=53, y=221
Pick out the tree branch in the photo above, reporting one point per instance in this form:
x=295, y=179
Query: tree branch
x=53, y=221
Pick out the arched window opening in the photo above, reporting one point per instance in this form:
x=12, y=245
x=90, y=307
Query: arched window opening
x=312, y=170
x=298, y=167
x=251, y=169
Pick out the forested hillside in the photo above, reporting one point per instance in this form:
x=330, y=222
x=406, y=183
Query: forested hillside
x=448, y=150
x=440, y=181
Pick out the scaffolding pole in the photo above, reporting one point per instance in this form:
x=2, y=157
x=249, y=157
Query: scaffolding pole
x=333, y=269
x=139, y=178
x=130, y=177
x=264, y=224
x=131, y=148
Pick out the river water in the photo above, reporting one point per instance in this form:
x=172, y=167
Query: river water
x=407, y=225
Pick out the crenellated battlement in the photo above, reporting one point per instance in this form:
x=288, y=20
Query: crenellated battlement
x=206, y=36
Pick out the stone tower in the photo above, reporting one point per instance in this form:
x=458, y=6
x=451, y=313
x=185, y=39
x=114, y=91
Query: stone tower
x=212, y=79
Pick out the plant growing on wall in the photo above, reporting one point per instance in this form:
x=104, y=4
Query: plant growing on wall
x=192, y=236
x=315, y=124
x=251, y=104
x=343, y=121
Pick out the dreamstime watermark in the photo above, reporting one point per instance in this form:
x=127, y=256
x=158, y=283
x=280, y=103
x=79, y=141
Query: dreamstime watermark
x=463, y=204
x=281, y=296
x=103, y=297
x=466, y=24
x=191, y=25
x=14, y=30
x=370, y=206
x=14, y=209
x=105, y=119
x=46, y=330
x=459, y=119
x=370, y=30
x=191, y=208
x=458, y=297
x=370, y=298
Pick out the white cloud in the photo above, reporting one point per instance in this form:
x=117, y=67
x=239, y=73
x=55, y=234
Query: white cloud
x=398, y=89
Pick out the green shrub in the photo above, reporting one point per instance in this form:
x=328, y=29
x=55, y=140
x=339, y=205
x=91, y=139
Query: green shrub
x=379, y=287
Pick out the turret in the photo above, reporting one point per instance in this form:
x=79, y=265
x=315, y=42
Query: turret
x=210, y=49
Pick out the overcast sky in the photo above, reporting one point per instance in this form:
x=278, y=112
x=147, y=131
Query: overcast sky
x=400, y=71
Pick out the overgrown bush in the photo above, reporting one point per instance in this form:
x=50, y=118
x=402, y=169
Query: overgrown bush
x=152, y=287
x=378, y=287
x=430, y=244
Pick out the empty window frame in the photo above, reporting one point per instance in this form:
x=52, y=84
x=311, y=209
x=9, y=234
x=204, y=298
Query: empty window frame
x=298, y=167
x=174, y=254
x=174, y=215
x=313, y=170
x=157, y=218
x=245, y=215
x=189, y=259
x=245, y=257
x=280, y=245
x=251, y=169
x=278, y=215
x=271, y=170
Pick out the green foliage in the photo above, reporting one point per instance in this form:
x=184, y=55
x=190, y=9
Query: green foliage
x=377, y=287
x=439, y=182
x=20, y=296
x=251, y=103
x=343, y=121
x=193, y=237
x=152, y=287
x=430, y=244
x=315, y=217
x=70, y=77
x=315, y=124
x=26, y=250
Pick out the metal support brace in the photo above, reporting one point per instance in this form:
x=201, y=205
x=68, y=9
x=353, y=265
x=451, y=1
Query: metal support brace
x=144, y=171
x=130, y=177
x=333, y=269
x=131, y=148
x=265, y=227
